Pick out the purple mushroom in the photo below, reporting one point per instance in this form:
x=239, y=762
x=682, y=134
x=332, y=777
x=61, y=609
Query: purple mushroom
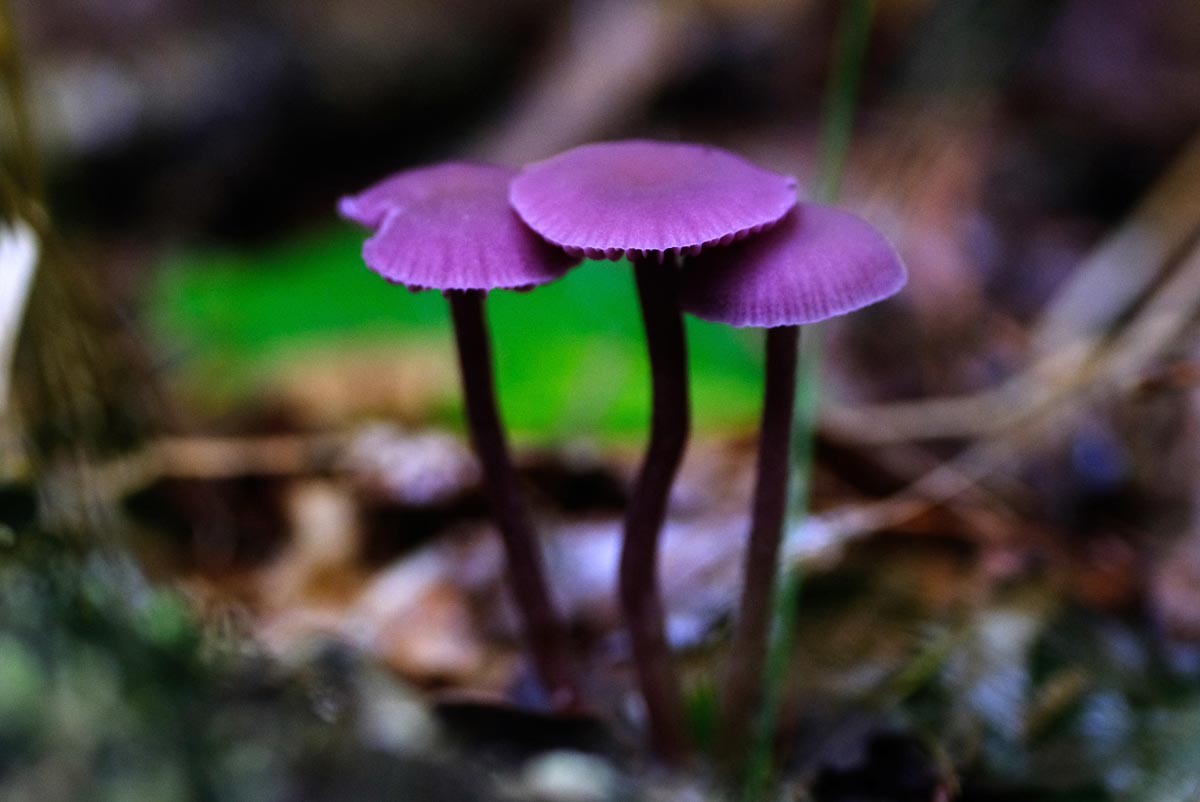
x=647, y=201
x=817, y=262
x=450, y=228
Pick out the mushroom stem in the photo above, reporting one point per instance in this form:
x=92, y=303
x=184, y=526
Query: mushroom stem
x=639, y=588
x=543, y=628
x=744, y=680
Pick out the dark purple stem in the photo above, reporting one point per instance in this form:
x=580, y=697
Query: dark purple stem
x=744, y=682
x=543, y=628
x=639, y=589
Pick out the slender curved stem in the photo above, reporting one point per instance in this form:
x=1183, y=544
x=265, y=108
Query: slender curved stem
x=744, y=681
x=543, y=628
x=639, y=587
x=837, y=116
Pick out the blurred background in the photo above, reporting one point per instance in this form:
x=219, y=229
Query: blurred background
x=244, y=554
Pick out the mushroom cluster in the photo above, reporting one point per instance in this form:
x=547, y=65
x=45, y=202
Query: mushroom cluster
x=707, y=232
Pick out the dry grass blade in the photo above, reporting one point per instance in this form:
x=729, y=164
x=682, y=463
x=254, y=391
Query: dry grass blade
x=1127, y=263
x=1074, y=341
x=1160, y=322
x=612, y=62
x=1089, y=361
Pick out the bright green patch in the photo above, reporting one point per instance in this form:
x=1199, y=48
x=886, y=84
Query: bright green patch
x=570, y=356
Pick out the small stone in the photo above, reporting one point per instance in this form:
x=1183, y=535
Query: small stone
x=566, y=776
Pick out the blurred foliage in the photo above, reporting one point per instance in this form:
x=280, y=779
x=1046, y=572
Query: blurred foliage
x=105, y=690
x=1016, y=694
x=570, y=356
x=115, y=690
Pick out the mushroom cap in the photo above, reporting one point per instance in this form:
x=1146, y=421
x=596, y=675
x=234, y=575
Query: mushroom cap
x=370, y=207
x=638, y=197
x=817, y=262
x=449, y=227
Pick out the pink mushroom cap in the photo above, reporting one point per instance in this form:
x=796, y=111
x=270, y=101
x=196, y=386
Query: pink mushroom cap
x=640, y=198
x=817, y=262
x=369, y=207
x=449, y=227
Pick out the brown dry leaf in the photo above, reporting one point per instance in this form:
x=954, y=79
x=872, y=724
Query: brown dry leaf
x=1109, y=575
x=417, y=618
x=434, y=642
